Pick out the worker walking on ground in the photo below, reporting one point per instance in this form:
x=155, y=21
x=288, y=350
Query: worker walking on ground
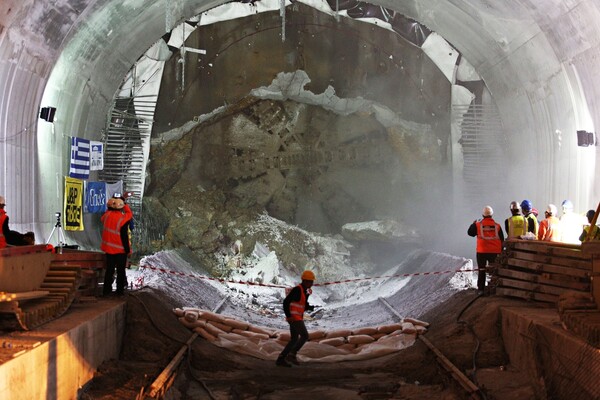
x=595, y=234
x=532, y=222
x=489, y=243
x=550, y=227
x=294, y=305
x=115, y=242
x=516, y=225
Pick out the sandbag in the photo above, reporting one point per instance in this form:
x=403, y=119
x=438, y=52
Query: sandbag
x=283, y=335
x=315, y=335
x=187, y=324
x=350, y=347
x=200, y=331
x=338, y=333
x=420, y=329
x=360, y=339
x=259, y=329
x=409, y=328
x=389, y=328
x=235, y=324
x=223, y=327
x=338, y=341
x=211, y=316
x=251, y=335
x=378, y=336
x=416, y=322
x=178, y=312
x=190, y=315
x=365, y=331
x=213, y=330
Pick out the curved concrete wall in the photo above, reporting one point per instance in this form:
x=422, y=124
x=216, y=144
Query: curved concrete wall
x=538, y=58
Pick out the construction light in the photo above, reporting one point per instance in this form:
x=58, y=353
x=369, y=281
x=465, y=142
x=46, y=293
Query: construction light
x=585, y=138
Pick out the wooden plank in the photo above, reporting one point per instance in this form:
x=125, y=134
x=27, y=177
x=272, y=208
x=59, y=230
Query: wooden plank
x=555, y=280
x=79, y=264
x=461, y=378
x=36, y=294
x=554, y=260
x=529, y=286
x=539, y=245
x=542, y=267
x=527, y=295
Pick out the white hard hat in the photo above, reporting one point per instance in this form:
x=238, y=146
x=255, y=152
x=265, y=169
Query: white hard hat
x=2, y=200
x=551, y=209
x=488, y=211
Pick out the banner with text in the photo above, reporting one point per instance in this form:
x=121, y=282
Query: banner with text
x=73, y=212
x=95, y=197
x=96, y=156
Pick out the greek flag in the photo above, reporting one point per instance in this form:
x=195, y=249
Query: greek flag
x=80, y=158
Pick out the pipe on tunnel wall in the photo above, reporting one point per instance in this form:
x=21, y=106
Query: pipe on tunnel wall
x=522, y=49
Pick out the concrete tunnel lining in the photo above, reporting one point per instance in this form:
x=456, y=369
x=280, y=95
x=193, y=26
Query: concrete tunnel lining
x=98, y=42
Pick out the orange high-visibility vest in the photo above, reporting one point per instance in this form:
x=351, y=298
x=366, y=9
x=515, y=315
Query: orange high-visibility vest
x=550, y=229
x=297, y=307
x=488, y=236
x=111, y=235
x=2, y=238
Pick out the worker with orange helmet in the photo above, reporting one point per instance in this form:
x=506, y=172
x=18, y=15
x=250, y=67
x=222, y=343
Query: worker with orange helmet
x=489, y=243
x=115, y=242
x=294, y=305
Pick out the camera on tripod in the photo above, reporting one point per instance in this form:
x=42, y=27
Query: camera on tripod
x=57, y=215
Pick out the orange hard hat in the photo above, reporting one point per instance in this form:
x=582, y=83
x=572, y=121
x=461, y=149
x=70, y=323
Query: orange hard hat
x=308, y=275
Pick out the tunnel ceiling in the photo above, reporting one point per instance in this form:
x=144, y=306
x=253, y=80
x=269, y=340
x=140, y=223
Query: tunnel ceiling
x=535, y=57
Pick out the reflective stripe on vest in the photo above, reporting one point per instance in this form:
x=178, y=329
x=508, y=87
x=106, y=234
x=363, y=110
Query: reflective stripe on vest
x=517, y=226
x=488, y=236
x=297, y=307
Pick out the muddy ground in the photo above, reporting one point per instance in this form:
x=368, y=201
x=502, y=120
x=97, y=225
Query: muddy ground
x=466, y=329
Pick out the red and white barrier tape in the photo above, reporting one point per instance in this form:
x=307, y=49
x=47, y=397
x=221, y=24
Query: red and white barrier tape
x=168, y=271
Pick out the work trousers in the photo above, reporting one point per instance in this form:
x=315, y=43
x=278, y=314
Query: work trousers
x=298, y=336
x=114, y=262
x=482, y=260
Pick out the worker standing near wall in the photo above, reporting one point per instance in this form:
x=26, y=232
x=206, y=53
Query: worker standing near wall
x=571, y=223
x=550, y=226
x=3, y=223
x=515, y=225
x=294, y=305
x=115, y=242
x=489, y=243
x=532, y=222
x=595, y=235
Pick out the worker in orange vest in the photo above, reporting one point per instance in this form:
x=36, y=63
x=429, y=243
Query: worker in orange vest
x=550, y=227
x=489, y=243
x=294, y=305
x=115, y=242
x=4, y=231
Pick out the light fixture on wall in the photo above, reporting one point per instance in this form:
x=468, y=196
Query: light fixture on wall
x=585, y=138
x=47, y=113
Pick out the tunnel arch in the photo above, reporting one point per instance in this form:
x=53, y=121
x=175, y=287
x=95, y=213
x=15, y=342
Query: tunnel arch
x=538, y=61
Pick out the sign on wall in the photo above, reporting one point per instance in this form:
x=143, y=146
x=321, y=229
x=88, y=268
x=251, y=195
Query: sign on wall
x=73, y=212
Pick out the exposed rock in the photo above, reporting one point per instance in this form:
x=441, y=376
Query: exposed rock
x=380, y=231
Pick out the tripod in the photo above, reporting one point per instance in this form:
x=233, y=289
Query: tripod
x=61, y=234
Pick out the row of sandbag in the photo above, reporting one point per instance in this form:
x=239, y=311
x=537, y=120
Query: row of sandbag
x=210, y=325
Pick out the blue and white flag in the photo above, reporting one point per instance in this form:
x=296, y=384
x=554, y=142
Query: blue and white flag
x=80, y=158
x=95, y=197
x=96, y=156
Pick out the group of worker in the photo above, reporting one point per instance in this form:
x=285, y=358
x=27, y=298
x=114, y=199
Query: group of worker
x=523, y=224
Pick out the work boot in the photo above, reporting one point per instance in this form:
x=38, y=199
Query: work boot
x=282, y=363
x=291, y=358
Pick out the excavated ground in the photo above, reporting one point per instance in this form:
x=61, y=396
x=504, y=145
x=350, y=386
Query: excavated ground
x=466, y=329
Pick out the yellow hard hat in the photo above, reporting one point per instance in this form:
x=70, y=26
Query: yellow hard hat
x=308, y=276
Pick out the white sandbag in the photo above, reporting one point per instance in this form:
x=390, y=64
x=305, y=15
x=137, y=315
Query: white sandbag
x=190, y=315
x=364, y=331
x=316, y=335
x=252, y=335
x=213, y=330
x=338, y=333
x=395, y=333
x=178, y=312
x=360, y=339
x=350, y=347
x=389, y=328
x=408, y=327
x=338, y=341
x=416, y=322
x=260, y=329
x=235, y=324
x=283, y=335
x=211, y=316
x=378, y=336
x=420, y=329
x=200, y=331
x=187, y=324
x=222, y=327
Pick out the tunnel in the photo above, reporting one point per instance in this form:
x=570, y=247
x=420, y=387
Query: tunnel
x=318, y=113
